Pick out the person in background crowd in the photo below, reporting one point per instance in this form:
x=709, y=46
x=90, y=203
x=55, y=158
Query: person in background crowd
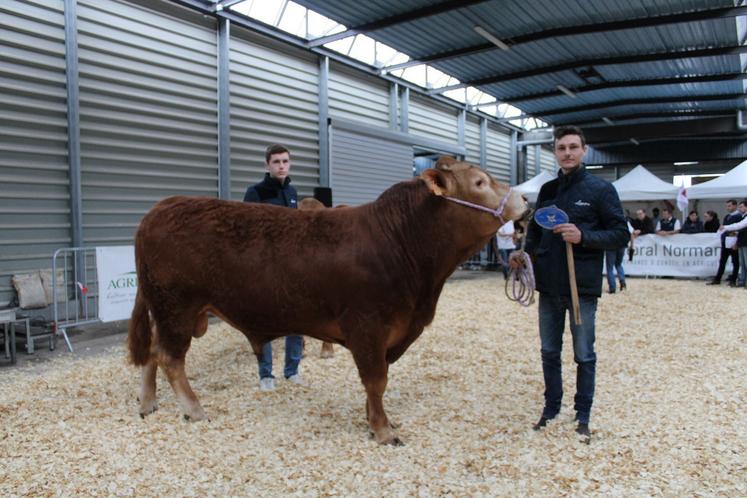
x=741, y=228
x=614, y=261
x=711, y=222
x=276, y=189
x=655, y=216
x=732, y=216
x=505, y=242
x=596, y=224
x=692, y=223
x=642, y=224
x=668, y=224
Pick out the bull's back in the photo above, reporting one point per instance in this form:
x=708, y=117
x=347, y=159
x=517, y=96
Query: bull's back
x=252, y=263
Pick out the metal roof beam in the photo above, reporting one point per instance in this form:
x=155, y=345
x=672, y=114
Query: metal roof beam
x=704, y=15
x=225, y=4
x=412, y=15
x=711, y=78
x=644, y=131
x=655, y=100
x=601, y=61
x=694, y=113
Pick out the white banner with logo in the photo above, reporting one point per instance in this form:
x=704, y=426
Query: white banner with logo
x=115, y=266
x=679, y=255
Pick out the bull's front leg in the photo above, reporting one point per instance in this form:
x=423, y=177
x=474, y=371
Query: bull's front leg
x=373, y=368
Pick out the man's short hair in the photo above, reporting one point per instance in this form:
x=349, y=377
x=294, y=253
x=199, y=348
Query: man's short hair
x=273, y=149
x=562, y=131
x=743, y=202
x=732, y=202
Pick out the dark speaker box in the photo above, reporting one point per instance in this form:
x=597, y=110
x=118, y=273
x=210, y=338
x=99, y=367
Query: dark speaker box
x=323, y=195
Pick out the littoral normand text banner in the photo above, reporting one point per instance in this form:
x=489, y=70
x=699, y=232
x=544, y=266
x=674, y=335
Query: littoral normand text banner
x=679, y=255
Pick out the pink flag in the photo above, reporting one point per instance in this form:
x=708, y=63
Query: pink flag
x=682, y=201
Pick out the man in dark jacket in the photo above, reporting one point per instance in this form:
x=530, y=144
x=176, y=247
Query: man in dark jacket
x=732, y=216
x=596, y=223
x=276, y=189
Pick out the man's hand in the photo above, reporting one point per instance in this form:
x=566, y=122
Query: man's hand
x=569, y=231
x=516, y=260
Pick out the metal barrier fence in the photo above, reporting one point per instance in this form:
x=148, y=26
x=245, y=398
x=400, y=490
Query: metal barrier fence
x=75, y=297
x=485, y=259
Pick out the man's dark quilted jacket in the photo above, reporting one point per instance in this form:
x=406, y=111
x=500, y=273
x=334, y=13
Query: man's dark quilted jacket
x=593, y=206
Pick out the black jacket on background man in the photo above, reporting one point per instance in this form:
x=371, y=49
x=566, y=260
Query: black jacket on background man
x=646, y=225
x=269, y=191
x=729, y=219
x=593, y=206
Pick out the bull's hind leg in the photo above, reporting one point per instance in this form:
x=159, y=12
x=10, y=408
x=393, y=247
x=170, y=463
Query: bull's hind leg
x=174, y=368
x=148, y=402
x=176, y=327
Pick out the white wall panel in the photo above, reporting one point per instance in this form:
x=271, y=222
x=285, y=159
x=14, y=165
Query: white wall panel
x=148, y=112
x=34, y=181
x=430, y=119
x=498, y=155
x=274, y=99
x=358, y=97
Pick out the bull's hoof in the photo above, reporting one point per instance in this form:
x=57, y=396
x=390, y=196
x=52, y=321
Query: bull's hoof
x=196, y=417
x=387, y=437
x=147, y=409
x=326, y=354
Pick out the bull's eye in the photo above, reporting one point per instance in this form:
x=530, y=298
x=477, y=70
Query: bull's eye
x=479, y=183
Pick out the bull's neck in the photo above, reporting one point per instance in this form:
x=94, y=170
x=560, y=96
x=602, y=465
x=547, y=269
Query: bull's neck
x=430, y=240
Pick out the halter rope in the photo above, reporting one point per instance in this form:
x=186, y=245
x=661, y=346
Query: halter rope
x=497, y=213
x=521, y=279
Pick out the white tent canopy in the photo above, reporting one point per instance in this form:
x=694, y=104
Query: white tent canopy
x=531, y=187
x=730, y=185
x=642, y=185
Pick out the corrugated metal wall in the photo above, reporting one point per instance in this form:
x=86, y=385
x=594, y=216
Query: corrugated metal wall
x=472, y=140
x=498, y=145
x=147, y=111
x=358, y=97
x=274, y=99
x=547, y=161
x=34, y=193
x=530, y=165
x=429, y=119
x=363, y=166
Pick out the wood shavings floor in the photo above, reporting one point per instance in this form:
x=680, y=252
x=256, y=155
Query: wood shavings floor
x=668, y=420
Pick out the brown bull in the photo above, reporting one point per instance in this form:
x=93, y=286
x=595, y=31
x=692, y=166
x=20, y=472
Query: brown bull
x=311, y=204
x=378, y=271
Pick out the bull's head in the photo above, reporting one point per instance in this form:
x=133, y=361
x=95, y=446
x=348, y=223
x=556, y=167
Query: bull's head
x=462, y=181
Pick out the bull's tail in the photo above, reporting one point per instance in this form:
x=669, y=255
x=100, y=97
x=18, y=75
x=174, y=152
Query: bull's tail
x=139, y=334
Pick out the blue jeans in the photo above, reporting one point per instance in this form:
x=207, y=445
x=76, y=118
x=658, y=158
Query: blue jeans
x=293, y=352
x=614, y=261
x=552, y=312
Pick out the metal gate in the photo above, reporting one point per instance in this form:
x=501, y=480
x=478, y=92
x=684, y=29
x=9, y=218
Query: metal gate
x=74, y=289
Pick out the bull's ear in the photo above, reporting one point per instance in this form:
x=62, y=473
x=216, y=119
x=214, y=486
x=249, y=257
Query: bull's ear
x=437, y=181
x=444, y=163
